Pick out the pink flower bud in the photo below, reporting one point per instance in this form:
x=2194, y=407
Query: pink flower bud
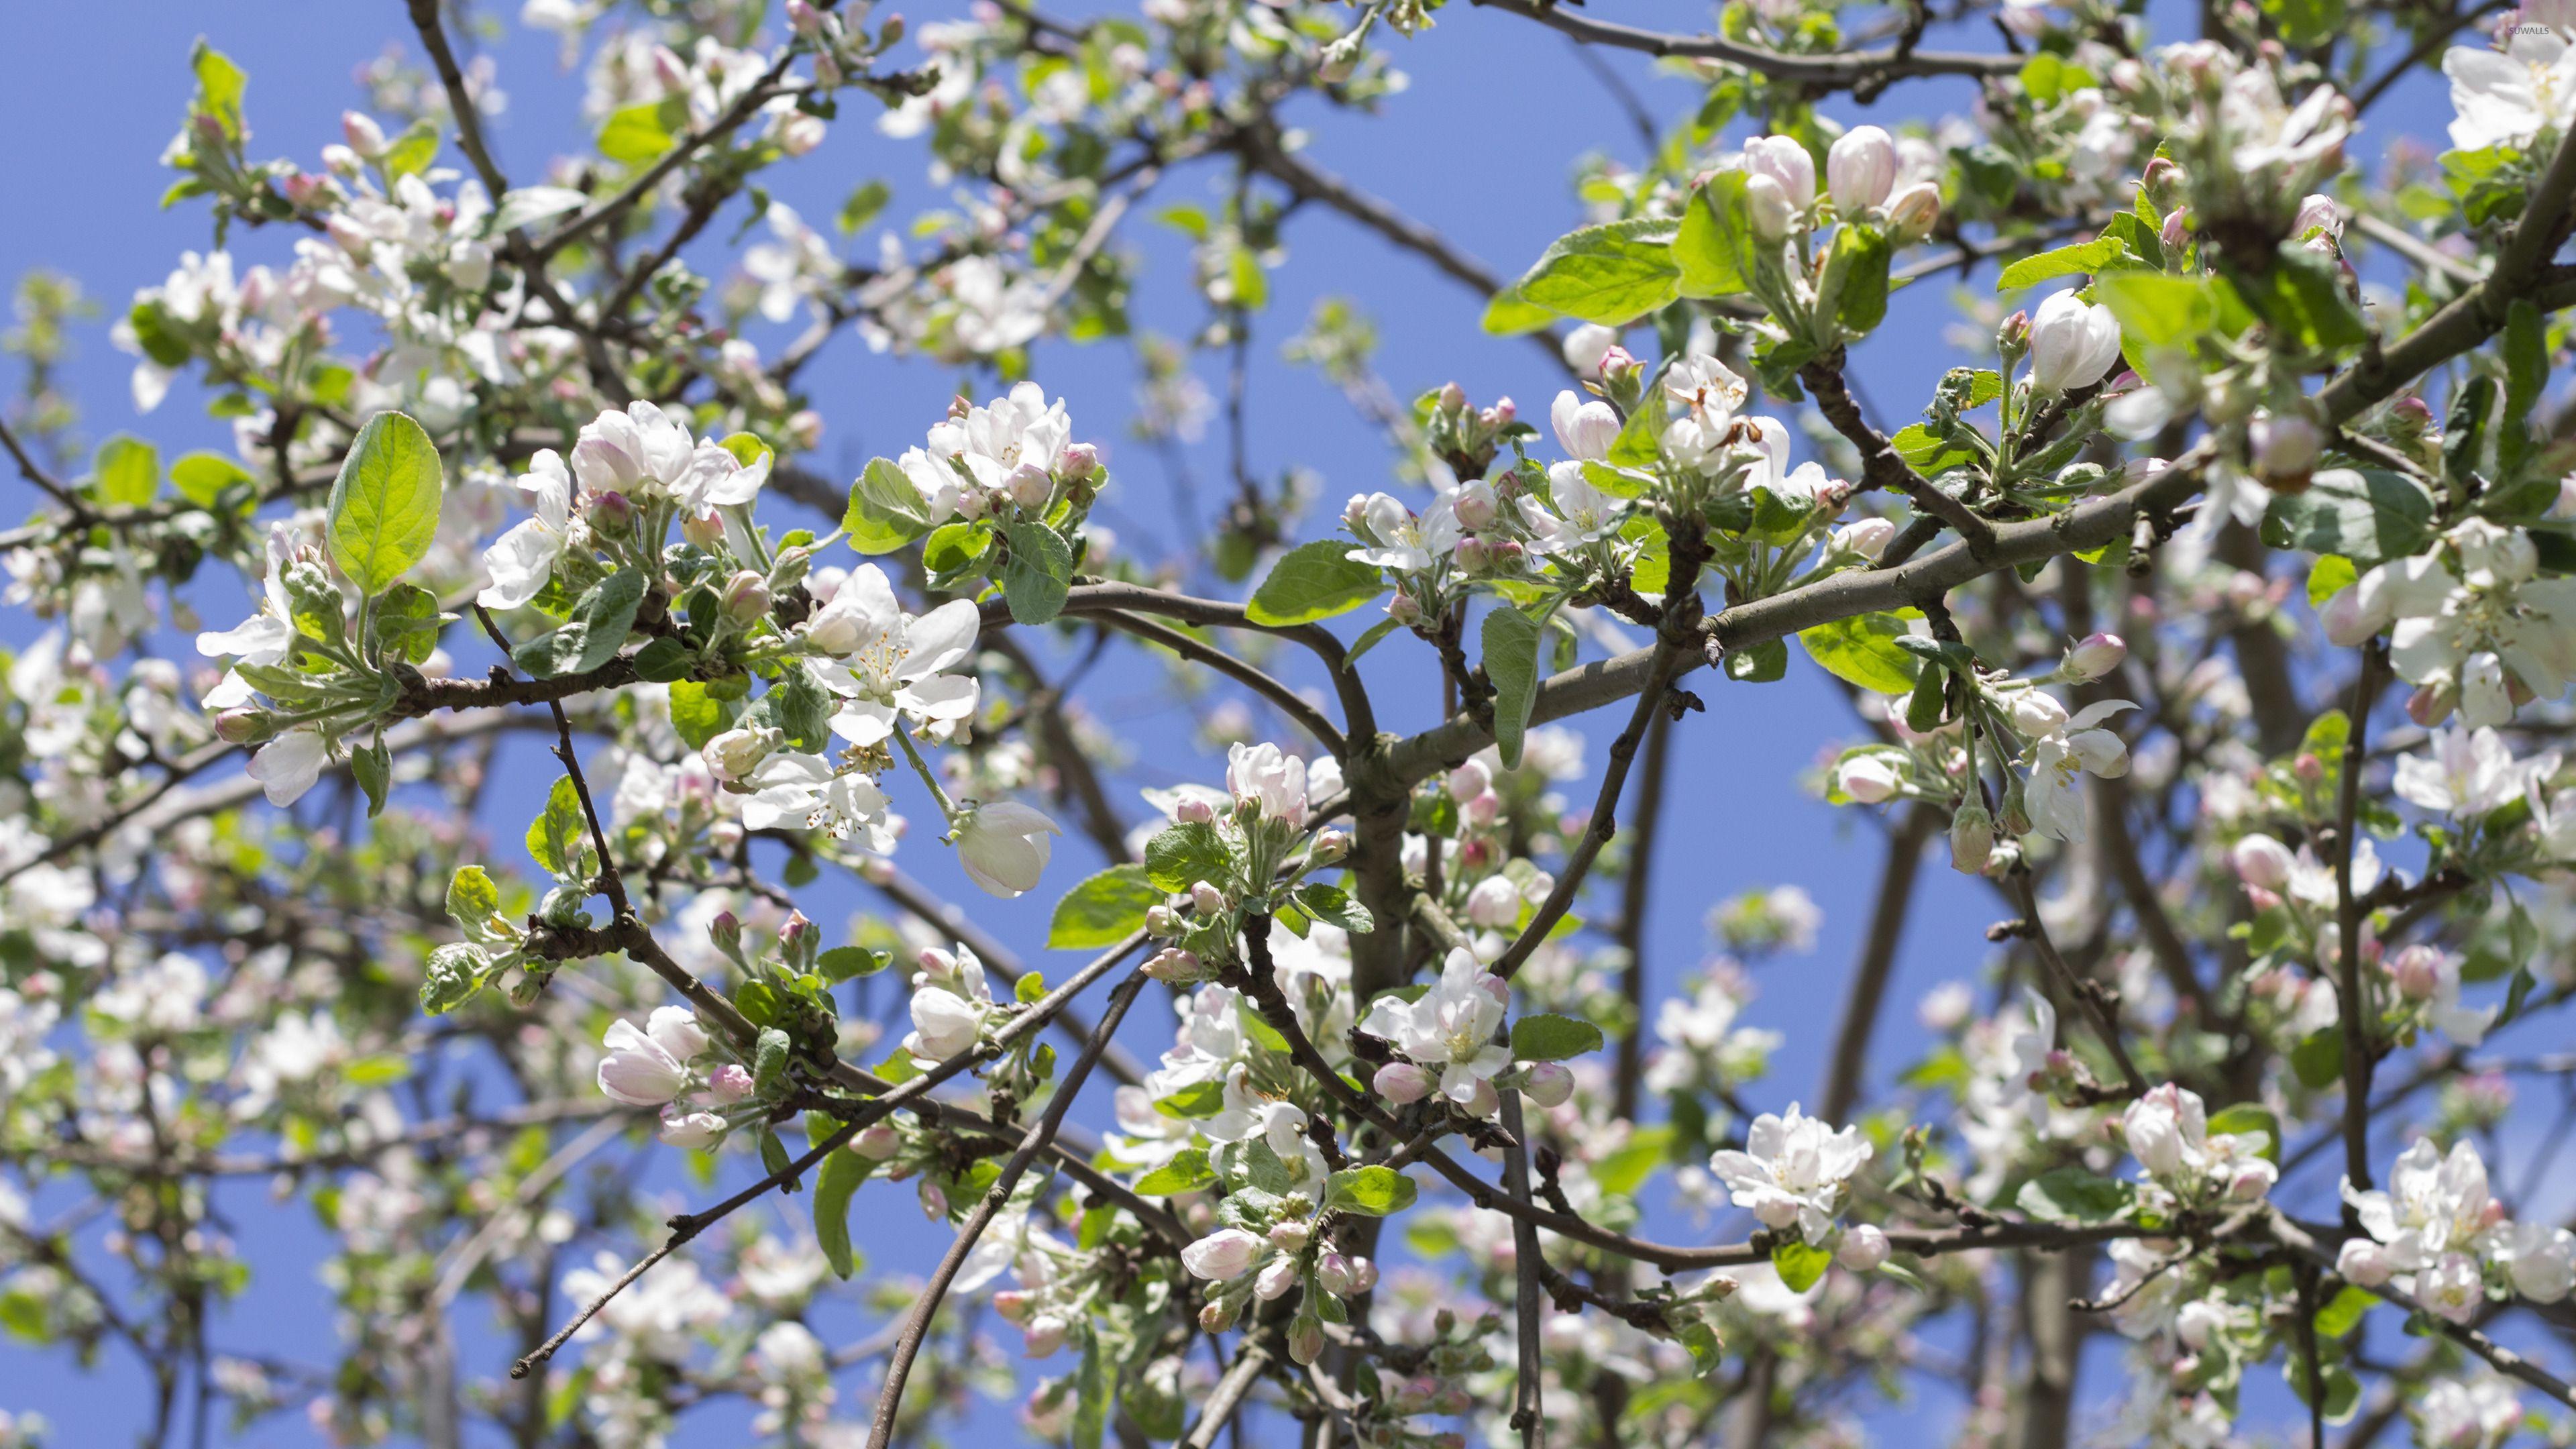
x=2262, y=861
x=1862, y=1249
x=2417, y=972
x=1207, y=899
x=2431, y=704
x=1175, y=966
x=1453, y=398
x=1473, y=555
x=1587, y=345
x=2284, y=449
x=1195, y=810
x=1475, y=505
x=1216, y=1317
x=1548, y=1084
x=1306, y=1339
x=2095, y=655
x=1860, y=170
x=362, y=133
x=1275, y=1279
x=1160, y=921
x=1468, y=781
x=1333, y=1274
x=1404, y=609
x=705, y=530
x=877, y=1142
x=730, y=1082
x=1329, y=846
x=1030, y=487
x=2363, y=1263
x=245, y=725
x=746, y=597
x=1078, y=462
x=1402, y=1082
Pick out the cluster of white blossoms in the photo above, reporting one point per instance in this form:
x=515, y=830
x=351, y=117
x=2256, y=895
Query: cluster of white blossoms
x=2472, y=624
x=672, y=1063
x=951, y=1004
x=1013, y=453
x=2437, y=1234
x=2184, y=1163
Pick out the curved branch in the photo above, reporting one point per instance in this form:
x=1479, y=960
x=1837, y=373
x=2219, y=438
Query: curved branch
x=1834, y=71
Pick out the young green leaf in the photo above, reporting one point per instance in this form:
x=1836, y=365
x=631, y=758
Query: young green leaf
x=1102, y=911
x=1040, y=573
x=1313, y=581
x=1511, y=662
x=384, y=505
x=1546, y=1037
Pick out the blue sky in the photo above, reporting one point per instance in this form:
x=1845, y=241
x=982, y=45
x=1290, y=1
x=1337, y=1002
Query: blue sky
x=1482, y=147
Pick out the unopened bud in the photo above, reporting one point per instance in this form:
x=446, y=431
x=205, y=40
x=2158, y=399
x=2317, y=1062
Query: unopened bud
x=2417, y=970
x=2095, y=655
x=1329, y=846
x=1160, y=921
x=1078, y=462
x=1402, y=1082
x=1206, y=899
x=1476, y=505
x=613, y=514
x=1404, y=609
x=1195, y=810
x=2284, y=450
x=1913, y=212
x=705, y=530
x=1453, y=398
x=1862, y=1249
x=877, y=1142
x=746, y=598
x=1306, y=1338
x=1030, y=487
x=730, y=1083
x=1547, y=1084
x=2014, y=334
x=1174, y=966
x=362, y=133
x=1473, y=556
x=245, y=725
x=1972, y=839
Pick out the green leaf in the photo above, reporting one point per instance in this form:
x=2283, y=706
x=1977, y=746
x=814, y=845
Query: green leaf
x=1614, y=273
x=636, y=135
x=1757, y=664
x=2155, y=310
x=1313, y=581
x=2247, y=1118
x=1510, y=314
x=1369, y=1191
x=1093, y=1381
x=384, y=505
x=835, y=1183
x=886, y=512
x=129, y=471
x=407, y=623
x=2343, y=1312
x=1859, y=264
x=410, y=153
x=158, y=335
x=847, y=963
x=2333, y=574
x=2526, y=375
x=2301, y=296
x=559, y=835
x=1188, y=1171
x=1039, y=574
x=1800, y=1266
x=452, y=976
x=1333, y=905
x=1103, y=910
x=1511, y=661
x=373, y=768
x=219, y=88
x=1547, y=1037
x=2341, y=1394
x=2073, y=1195
x=472, y=899
x=2103, y=253
x=665, y=660
x=769, y=1061
x=2304, y=24
x=2318, y=1058
x=1862, y=651
x=600, y=621
x=1181, y=856
x=862, y=206
x=2364, y=514
x=1928, y=452
x=697, y=713
x=1715, y=246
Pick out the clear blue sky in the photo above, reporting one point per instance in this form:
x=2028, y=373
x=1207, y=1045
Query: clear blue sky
x=98, y=88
